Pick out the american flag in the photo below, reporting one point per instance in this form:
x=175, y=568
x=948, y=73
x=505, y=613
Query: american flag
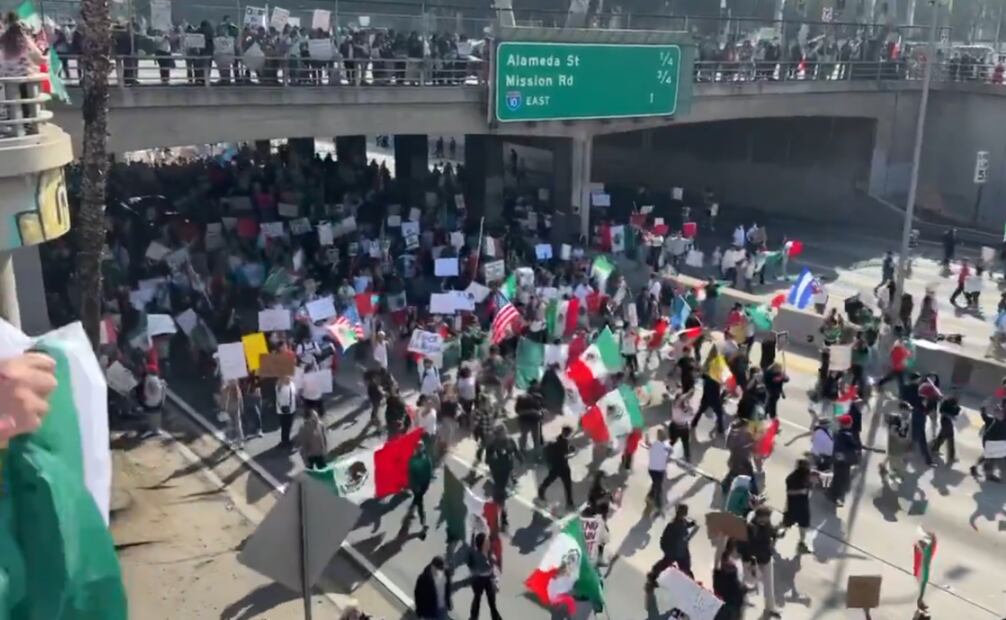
x=505, y=323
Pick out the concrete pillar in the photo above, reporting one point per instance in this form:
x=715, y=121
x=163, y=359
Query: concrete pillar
x=484, y=177
x=352, y=149
x=583, y=152
x=302, y=149
x=31, y=290
x=412, y=164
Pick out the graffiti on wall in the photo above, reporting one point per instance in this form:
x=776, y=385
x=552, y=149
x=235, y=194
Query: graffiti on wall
x=49, y=215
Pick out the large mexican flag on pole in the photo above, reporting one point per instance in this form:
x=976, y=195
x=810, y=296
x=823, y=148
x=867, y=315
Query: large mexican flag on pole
x=614, y=416
x=371, y=474
x=601, y=360
x=565, y=572
x=560, y=317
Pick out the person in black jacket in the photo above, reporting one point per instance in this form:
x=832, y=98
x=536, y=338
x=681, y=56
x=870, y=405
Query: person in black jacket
x=775, y=381
x=760, y=549
x=727, y=585
x=674, y=546
x=949, y=410
x=798, y=485
x=557, y=458
x=846, y=454
x=500, y=457
x=529, y=416
x=433, y=591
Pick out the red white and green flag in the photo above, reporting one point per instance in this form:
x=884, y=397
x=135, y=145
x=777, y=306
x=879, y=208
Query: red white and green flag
x=572, y=402
x=589, y=371
x=601, y=269
x=372, y=474
x=566, y=573
x=658, y=335
x=844, y=402
x=925, y=550
x=614, y=416
x=467, y=515
x=561, y=316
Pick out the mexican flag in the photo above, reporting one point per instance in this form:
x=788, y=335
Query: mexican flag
x=467, y=514
x=372, y=474
x=596, y=364
x=565, y=572
x=344, y=332
x=572, y=402
x=766, y=441
x=924, y=551
x=58, y=559
x=760, y=316
x=614, y=416
x=844, y=402
x=560, y=317
x=601, y=269
x=530, y=362
x=658, y=335
x=509, y=287
x=690, y=334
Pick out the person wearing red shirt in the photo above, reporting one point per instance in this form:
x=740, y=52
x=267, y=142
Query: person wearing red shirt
x=962, y=276
x=900, y=354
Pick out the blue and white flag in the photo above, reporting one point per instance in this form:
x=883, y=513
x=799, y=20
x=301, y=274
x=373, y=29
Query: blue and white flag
x=803, y=290
x=680, y=311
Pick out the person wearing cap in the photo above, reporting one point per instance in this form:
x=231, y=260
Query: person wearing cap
x=846, y=454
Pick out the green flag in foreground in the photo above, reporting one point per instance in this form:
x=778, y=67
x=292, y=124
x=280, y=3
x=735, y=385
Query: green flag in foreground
x=57, y=558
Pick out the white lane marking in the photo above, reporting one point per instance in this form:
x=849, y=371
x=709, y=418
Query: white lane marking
x=357, y=557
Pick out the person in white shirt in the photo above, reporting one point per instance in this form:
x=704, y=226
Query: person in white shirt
x=380, y=347
x=660, y=455
x=426, y=418
x=681, y=417
x=628, y=348
x=286, y=405
x=429, y=379
x=466, y=390
x=739, y=236
x=311, y=394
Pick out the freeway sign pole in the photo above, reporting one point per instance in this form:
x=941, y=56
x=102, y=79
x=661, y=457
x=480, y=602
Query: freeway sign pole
x=537, y=81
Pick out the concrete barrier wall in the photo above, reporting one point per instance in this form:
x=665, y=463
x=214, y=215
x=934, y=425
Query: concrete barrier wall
x=975, y=376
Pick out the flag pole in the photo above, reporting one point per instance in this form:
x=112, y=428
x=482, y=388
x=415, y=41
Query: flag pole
x=478, y=249
x=305, y=587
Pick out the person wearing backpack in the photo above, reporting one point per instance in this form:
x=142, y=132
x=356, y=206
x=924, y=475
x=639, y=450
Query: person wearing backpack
x=557, y=458
x=674, y=546
x=154, y=391
x=500, y=459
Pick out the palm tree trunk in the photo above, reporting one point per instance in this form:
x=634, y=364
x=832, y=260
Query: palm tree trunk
x=90, y=227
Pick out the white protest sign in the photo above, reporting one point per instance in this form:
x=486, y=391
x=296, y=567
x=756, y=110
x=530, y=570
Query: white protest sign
x=348, y=224
x=223, y=47
x=321, y=20
x=689, y=597
x=320, y=381
x=187, y=321
x=459, y=201
x=120, y=379
x=394, y=221
x=543, y=194
x=272, y=229
x=321, y=309
x=600, y=199
x=300, y=226
x=478, y=292
x=841, y=357
x=160, y=15
x=566, y=251
x=288, y=210
x=320, y=49
x=543, y=251
x=646, y=209
x=280, y=18
x=441, y=303
x=325, y=234
x=410, y=228
x=426, y=343
x=495, y=270
x=214, y=236
x=446, y=267
x=231, y=358
x=274, y=320
x=462, y=300
x=457, y=239
x=195, y=41
x=160, y=324
x=156, y=252
x=677, y=193
x=255, y=16
x=415, y=214
x=364, y=21
x=465, y=49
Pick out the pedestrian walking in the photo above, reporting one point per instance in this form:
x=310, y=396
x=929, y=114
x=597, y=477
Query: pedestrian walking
x=846, y=453
x=483, y=421
x=962, y=275
x=727, y=585
x=950, y=409
x=375, y=394
x=674, y=546
x=775, y=381
x=482, y=578
x=949, y=246
x=740, y=444
x=313, y=440
x=899, y=443
x=680, y=426
x=154, y=391
x=233, y=406
x=253, y=402
x=286, y=405
x=899, y=356
x=759, y=551
x=501, y=456
x=528, y=408
x=420, y=476
x=660, y=456
x=712, y=399
x=557, y=455
x=798, y=485
x=433, y=591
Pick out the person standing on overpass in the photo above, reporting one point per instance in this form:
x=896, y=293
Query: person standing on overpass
x=949, y=245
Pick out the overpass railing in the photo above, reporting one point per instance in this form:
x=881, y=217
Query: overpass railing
x=206, y=71
x=22, y=106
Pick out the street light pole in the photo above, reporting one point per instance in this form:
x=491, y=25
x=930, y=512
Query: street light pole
x=913, y=182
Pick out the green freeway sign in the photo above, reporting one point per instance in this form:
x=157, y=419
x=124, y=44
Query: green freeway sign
x=563, y=81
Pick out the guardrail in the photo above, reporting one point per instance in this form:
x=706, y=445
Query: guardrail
x=205, y=71
x=22, y=111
